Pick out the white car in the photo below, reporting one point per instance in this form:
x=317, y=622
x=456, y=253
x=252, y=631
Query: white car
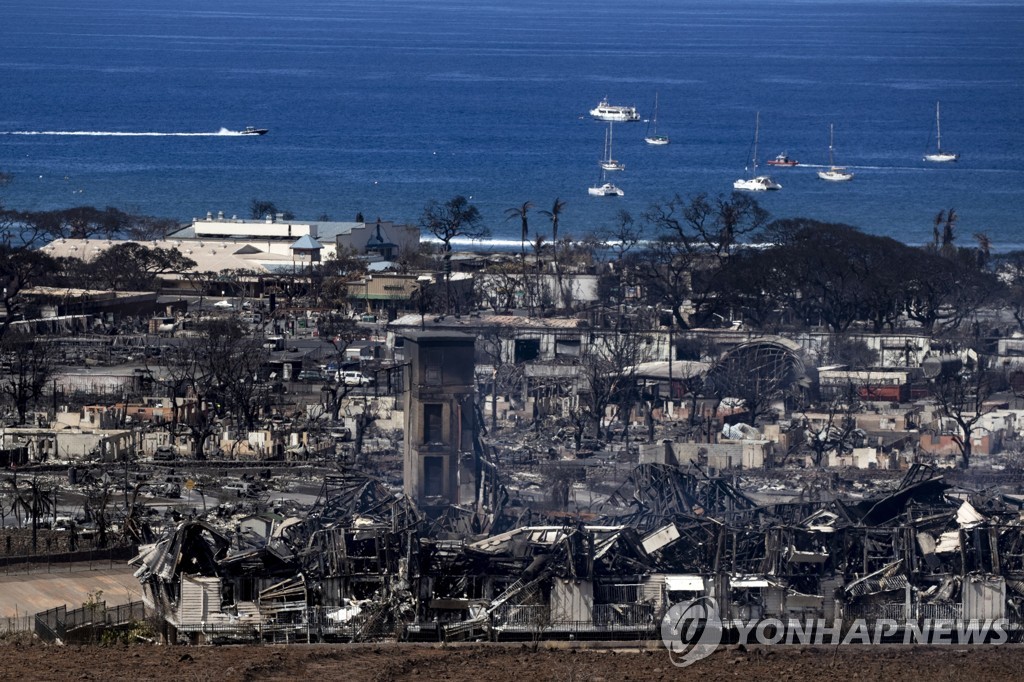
x=353, y=378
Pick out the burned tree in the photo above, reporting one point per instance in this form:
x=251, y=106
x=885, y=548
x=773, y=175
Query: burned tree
x=20, y=266
x=209, y=377
x=834, y=430
x=454, y=218
x=338, y=331
x=31, y=360
x=607, y=377
x=497, y=348
x=961, y=391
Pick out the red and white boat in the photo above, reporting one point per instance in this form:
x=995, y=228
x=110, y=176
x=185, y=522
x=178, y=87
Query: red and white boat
x=783, y=160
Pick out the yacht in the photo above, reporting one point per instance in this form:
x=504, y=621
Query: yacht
x=611, y=112
x=249, y=130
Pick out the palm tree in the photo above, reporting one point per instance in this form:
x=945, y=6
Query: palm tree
x=936, y=224
x=521, y=212
x=984, y=248
x=31, y=502
x=553, y=215
x=538, y=248
x=949, y=233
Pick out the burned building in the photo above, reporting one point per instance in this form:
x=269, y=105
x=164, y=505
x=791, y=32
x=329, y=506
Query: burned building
x=365, y=563
x=441, y=465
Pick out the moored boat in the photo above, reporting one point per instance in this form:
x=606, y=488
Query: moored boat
x=939, y=156
x=757, y=183
x=613, y=112
x=605, y=190
x=834, y=173
x=652, y=137
x=607, y=162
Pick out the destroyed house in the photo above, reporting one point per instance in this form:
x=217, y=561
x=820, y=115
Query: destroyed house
x=365, y=563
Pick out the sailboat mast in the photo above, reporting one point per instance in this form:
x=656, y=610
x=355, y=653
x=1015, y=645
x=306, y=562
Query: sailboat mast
x=938, y=129
x=757, y=130
x=830, y=138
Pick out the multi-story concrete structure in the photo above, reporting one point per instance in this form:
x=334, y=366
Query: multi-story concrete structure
x=441, y=464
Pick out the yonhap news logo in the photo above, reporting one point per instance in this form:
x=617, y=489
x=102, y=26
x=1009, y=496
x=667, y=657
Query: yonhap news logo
x=693, y=630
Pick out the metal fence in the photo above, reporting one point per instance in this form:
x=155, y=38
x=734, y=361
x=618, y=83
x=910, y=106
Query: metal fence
x=12, y=624
x=605, y=618
x=68, y=562
x=58, y=623
x=50, y=624
x=902, y=612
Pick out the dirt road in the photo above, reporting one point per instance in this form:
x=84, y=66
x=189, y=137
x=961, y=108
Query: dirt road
x=482, y=663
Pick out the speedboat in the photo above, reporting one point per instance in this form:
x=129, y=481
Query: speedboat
x=760, y=183
x=249, y=130
x=605, y=190
x=611, y=112
x=782, y=160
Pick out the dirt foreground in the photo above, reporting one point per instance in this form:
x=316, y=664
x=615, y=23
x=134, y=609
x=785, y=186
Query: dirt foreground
x=30, y=660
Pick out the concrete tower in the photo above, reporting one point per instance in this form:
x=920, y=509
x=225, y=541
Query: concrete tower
x=441, y=467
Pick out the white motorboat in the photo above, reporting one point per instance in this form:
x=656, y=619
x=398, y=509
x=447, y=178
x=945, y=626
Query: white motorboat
x=652, y=137
x=939, y=156
x=757, y=183
x=612, y=112
x=834, y=173
x=608, y=163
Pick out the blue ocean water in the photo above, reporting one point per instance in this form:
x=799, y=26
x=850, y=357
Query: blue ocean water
x=378, y=107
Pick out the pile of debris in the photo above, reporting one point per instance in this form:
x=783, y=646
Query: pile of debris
x=364, y=563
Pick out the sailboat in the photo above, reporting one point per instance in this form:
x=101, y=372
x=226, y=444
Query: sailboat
x=653, y=137
x=605, y=189
x=758, y=183
x=608, y=163
x=939, y=156
x=834, y=173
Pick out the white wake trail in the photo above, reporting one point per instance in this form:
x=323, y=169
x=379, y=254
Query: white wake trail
x=223, y=132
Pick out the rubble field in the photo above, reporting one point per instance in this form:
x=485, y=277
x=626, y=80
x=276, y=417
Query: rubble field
x=380, y=662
